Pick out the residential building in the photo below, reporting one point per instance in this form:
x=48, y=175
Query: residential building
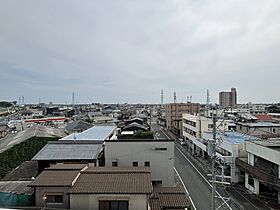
x=80, y=186
x=174, y=112
x=228, y=99
x=52, y=185
x=95, y=133
x=259, y=129
x=77, y=126
x=169, y=198
x=16, y=193
x=3, y=130
x=82, y=151
x=230, y=145
x=107, y=188
x=156, y=154
x=275, y=117
x=261, y=168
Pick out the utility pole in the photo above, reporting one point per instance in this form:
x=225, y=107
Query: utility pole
x=213, y=162
x=207, y=103
x=161, y=94
x=211, y=146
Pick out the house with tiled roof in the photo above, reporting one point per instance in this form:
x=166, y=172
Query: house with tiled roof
x=79, y=186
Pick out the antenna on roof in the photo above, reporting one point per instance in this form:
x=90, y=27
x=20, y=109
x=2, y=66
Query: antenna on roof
x=175, y=97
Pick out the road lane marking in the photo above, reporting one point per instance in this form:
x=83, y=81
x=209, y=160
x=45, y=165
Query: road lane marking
x=202, y=176
x=185, y=188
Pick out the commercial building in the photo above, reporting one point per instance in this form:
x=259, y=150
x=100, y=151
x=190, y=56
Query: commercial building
x=174, y=112
x=261, y=168
x=228, y=99
x=195, y=125
x=230, y=145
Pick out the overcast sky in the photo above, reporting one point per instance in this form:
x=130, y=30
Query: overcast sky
x=128, y=50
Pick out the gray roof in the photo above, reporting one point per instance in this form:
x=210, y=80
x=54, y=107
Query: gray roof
x=230, y=136
x=69, y=151
x=77, y=125
x=17, y=187
x=134, y=124
x=99, y=132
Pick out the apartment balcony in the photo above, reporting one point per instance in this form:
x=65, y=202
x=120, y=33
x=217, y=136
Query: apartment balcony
x=258, y=173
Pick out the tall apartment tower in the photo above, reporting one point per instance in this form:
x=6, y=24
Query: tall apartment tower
x=228, y=99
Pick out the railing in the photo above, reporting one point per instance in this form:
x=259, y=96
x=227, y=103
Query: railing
x=258, y=173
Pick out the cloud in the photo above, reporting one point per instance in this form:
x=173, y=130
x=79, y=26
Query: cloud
x=127, y=51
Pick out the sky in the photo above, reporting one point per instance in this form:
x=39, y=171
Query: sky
x=117, y=51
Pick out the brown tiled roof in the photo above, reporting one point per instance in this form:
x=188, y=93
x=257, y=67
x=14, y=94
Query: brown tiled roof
x=117, y=170
x=113, y=180
x=263, y=117
x=173, y=200
x=168, y=197
x=67, y=166
x=168, y=190
x=49, y=178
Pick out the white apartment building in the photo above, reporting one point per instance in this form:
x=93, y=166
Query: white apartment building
x=262, y=167
x=156, y=154
x=193, y=128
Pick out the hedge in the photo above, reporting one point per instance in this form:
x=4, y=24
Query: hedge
x=21, y=152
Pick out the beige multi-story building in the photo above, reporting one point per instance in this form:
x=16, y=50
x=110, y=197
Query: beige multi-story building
x=228, y=99
x=173, y=115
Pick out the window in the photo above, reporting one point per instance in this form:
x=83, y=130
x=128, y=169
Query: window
x=147, y=163
x=251, y=181
x=113, y=205
x=55, y=199
x=156, y=182
x=114, y=163
x=134, y=164
x=159, y=148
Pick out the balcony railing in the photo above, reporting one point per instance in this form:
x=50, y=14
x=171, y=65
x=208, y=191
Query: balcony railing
x=258, y=173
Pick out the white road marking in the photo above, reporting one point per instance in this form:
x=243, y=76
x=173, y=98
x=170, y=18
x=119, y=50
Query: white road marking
x=185, y=188
x=202, y=176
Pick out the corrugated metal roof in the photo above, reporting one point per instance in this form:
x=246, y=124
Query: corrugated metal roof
x=230, y=136
x=17, y=187
x=74, y=151
x=99, y=132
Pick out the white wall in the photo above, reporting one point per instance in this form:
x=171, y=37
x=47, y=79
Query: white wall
x=266, y=153
x=91, y=201
x=161, y=161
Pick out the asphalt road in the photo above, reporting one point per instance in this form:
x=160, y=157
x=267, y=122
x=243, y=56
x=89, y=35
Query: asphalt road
x=195, y=184
x=199, y=188
x=159, y=132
